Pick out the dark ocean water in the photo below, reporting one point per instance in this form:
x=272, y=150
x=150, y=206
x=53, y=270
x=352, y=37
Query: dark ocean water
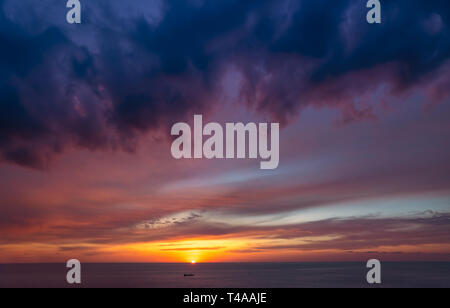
x=228, y=275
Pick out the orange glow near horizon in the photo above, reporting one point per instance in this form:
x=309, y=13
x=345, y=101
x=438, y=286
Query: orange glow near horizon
x=198, y=250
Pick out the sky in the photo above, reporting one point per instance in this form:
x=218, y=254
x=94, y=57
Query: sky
x=86, y=170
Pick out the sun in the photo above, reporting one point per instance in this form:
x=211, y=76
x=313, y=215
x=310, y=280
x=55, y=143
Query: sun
x=193, y=262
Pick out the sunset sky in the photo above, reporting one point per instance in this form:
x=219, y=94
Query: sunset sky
x=86, y=169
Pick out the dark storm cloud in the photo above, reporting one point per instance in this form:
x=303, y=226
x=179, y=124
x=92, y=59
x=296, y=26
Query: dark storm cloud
x=131, y=75
x=39, y=111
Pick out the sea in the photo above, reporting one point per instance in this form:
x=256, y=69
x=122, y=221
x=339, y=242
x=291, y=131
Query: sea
x=228, y=275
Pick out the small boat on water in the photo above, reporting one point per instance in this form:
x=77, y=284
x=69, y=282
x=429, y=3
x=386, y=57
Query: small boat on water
x=189, y=275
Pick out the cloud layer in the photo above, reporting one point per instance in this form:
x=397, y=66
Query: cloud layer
x=120, y=74
x=364, y=148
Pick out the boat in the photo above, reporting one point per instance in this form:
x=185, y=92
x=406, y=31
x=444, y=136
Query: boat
x=189, y=275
